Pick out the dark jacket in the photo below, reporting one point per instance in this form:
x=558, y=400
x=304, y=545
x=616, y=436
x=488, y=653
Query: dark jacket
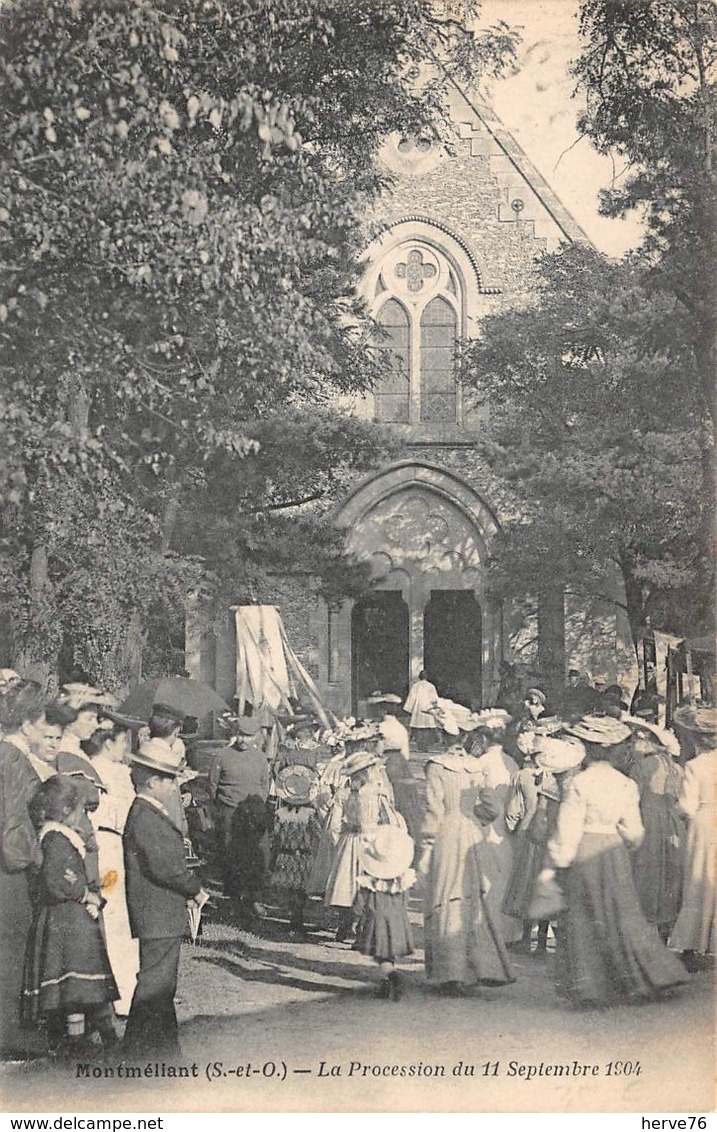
x=236, y=775
x=158, y=880
x=18, y=783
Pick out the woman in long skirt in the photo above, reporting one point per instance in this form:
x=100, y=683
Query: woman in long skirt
x=109, y=749
x=694, y=933
x=28, y=742
x=496, y=770
x=367, y=804
x=607, y=951
x=396, y=750
x=532, y=811
x=463, y=941
x=657, y=863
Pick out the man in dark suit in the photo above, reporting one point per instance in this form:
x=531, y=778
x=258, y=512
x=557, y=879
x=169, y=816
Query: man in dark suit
x=239, y=785
x=159, y=884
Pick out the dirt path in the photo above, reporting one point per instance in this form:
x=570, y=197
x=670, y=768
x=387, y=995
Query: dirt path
x=274, y=1023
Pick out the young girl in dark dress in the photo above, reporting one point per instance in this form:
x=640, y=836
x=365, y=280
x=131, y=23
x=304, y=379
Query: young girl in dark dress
x=385, y=879
x=295, y=840
x=67, y=971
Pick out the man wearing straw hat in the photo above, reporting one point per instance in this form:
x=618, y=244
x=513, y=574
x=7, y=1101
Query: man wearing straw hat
x=159, y=884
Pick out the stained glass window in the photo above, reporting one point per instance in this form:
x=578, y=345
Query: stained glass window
x=417, y=297
x=437, y=362
x=393, y=393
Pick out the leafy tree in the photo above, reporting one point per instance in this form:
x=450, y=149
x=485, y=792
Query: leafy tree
x=595, y=423
x=184, y=187
x=603, y=391
x=648, y=68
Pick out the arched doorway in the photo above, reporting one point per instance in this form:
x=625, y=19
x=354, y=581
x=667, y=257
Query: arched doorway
x=424, y=533
x=380, y=645
x=453, y=645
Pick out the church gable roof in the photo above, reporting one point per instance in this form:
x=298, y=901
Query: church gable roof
x=526, y=194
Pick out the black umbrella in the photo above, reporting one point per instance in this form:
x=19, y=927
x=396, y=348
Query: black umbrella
x=191, y=697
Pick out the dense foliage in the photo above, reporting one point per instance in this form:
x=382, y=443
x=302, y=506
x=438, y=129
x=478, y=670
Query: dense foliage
x=183, y=192
x=595, y=423
x=603, y=389
x=649, y=69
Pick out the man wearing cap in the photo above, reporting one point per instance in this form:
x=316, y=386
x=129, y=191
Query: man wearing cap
x=239, y=785
x=159, y=884
x=579, y=696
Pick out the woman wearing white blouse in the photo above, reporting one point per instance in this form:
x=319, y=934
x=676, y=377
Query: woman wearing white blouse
x=607, y=951
x=109, y=751
x=695, y=933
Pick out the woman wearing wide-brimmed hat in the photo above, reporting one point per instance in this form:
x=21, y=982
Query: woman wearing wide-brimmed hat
x=463, y=941
x=394, y=738
x=364, y=804
x=694, y=933
x=497, y=770
x=531, y=812
x=295, y=838
x=346, y=737
x=658, y=862
x=607, y=951
x=385, y=879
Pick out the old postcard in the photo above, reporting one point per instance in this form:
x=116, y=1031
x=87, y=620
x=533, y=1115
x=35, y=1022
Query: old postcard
x=357, y=714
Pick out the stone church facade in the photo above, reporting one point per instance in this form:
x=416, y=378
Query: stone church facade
x=458, y=236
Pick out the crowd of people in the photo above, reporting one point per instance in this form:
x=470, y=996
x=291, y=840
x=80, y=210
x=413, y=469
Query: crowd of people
x=95, y=878
x=588, y=827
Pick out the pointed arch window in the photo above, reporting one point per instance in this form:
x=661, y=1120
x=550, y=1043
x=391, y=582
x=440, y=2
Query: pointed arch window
x=438, y=362
x=393, y=395
x=417, y=308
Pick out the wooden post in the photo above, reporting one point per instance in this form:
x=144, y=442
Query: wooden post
x=690, y=676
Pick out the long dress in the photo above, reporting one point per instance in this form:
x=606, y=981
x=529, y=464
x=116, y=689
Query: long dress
x=295, y=840
x=463, y=941
x=695, y=927
x=66, y=964
x=363, y=809
x=657, y=863
x=109, y=821
x=328, y=807
x=384, y=930
x=400, y=774
x=607, y=951
x=497, y=770
x=18, y=846
x=531, y=810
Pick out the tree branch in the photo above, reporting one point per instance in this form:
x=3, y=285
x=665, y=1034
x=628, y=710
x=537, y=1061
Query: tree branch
x=283, y=506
